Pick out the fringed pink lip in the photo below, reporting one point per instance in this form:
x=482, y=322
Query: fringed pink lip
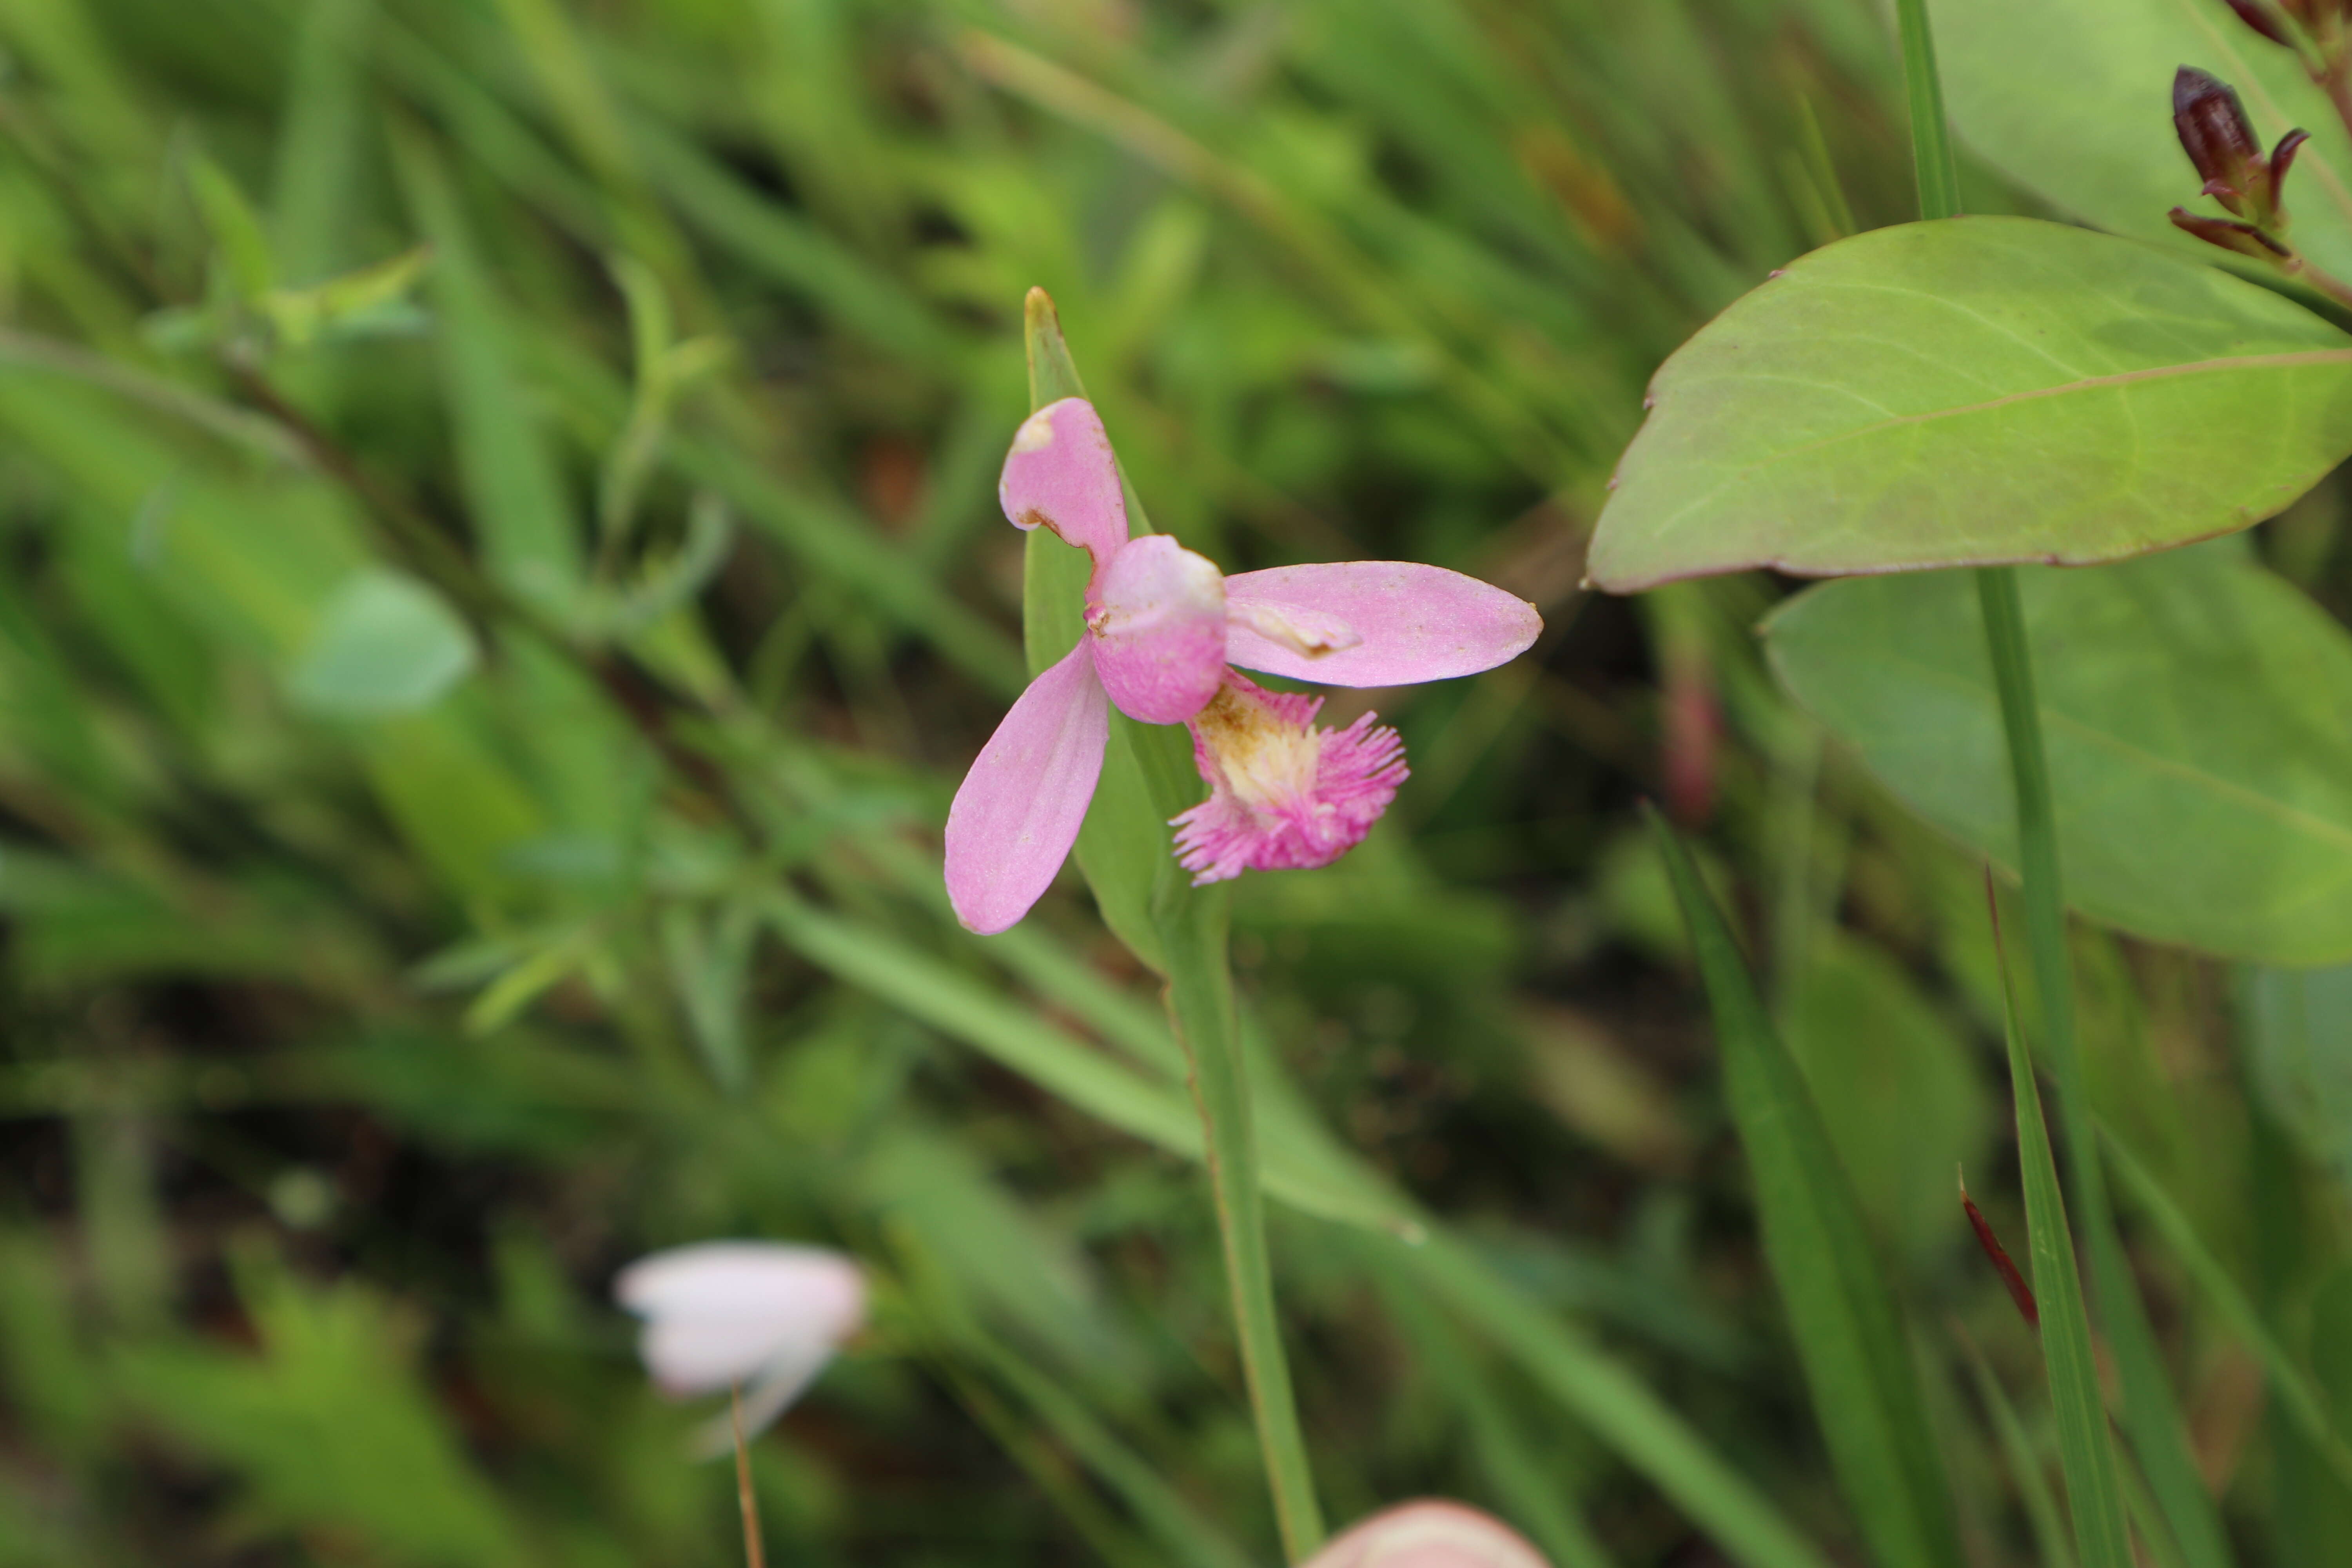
x=1162, y=626
x=1283, y=794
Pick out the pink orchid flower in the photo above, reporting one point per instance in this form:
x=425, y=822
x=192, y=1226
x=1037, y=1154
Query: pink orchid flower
x=1432, y=1533
x=1163, y=626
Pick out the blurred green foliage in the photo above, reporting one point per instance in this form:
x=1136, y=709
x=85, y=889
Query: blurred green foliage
x=502, y=575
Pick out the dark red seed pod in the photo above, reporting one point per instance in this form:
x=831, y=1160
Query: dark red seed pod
x=2216, y=135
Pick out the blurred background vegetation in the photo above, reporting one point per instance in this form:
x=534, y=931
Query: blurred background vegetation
x=502, y=576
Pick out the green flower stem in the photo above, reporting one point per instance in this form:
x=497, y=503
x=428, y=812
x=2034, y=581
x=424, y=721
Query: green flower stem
x=1192, y=929
x=1179, y=929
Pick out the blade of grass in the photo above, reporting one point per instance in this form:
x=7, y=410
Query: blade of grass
x=1587, y=1384
x=1864, y=1385
x=2300, y=1400
x=1931, y=135
x=2025, y=1468
x=1617, y=1406
x=2150, y=1414
x=2085, y=1451
x=1527, y=1482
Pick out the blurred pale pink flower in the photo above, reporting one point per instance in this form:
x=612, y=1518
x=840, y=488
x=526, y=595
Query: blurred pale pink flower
x=1163, y=625
x=764, y=1316
x=1428, y=1534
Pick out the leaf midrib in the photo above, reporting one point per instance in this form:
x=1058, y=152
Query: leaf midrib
x=2081, y=384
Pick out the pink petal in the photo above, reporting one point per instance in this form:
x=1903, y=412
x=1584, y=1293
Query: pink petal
x=1417, y=623
x=1158, y=623
x=1431, y=1535
x=1019, y=809
x=1061, y=475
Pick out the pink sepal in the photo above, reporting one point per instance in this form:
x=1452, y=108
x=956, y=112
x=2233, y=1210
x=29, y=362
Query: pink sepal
x=1019, y=809
x=1061, y=475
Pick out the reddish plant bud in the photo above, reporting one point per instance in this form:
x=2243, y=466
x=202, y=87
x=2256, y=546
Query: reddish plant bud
x=2262, y=20
x=2242, y=238
x=2216, y=136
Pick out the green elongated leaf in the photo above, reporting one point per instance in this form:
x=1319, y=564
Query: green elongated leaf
x=1301, y=1166
x=523, y=519
x=2071, y=100
x=2192, y=704
x=1974, y=390
x=384, y=643
x=2085, y=1451
x=1154, y=1111
x=1620, y=1408
x=2025, y=1462
x=2299, y=1397
x=1864, y=1385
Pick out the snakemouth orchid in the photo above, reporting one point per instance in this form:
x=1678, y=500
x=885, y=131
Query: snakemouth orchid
x=1164, y=632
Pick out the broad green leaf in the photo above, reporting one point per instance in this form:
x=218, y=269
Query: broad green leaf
x=2299, y=1047
x=1864, y=1385
x=1974, y=390
x=384, y=643
x=1866, y=1040
x=2072, y=100
x=2086, y=1450
x=2194, y=705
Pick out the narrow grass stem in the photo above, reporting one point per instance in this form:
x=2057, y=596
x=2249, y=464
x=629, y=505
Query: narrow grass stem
x=1201, y=1006
x=1931, y=137
x=2151, y=1414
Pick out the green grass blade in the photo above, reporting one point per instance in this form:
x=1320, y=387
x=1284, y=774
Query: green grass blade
x=522, y=520
x=2297, y=1397
x=2151, y=1415
x=1931, y=133
x=1864, y=1385
x=2085, y=1451
x=1618, y=1406
x=2025, y=1469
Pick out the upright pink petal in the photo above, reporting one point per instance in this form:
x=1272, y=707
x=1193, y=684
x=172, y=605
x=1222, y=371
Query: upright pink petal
x=1430, y=1535
x=1061, y=475
x=1019, y=809
x=1416, y=623
x=1157, y=620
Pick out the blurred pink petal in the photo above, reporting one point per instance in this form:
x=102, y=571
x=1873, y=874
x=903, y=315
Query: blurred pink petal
x=725, y=1312
x=1061, y=475
x=1416, y=623
x=1158, y=620
x=1020, y=807
x=1283, y=794
x=1431, y=1535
